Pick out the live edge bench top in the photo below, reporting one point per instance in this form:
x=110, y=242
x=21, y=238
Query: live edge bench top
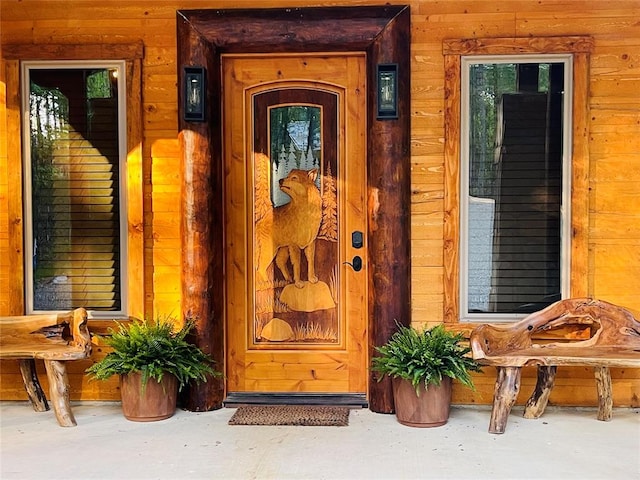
x=54, y=338
x=613, y=340
x=49, y=336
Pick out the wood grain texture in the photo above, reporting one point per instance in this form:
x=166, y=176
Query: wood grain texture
x=505, y=395
x=451, y=235
x=46, y=336
x=540, y=397
x=59, y=392
x=136, y=274
x=258, y=366
x=517, y=45
x=614, y=341
x=389, y=225
x=610, y=157
x=132, y=53
x=245, y=31
x=605, y=397
x=32, y=385
x=201, y=229
x=101, y=51
x=14, y=266
x=55, y=338
x=580, y=47
x=580, y=174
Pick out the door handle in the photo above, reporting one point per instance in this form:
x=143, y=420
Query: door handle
x=356, y=263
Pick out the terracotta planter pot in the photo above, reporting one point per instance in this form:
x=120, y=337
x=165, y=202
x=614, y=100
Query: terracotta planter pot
x=156, y=402
x=429, y=409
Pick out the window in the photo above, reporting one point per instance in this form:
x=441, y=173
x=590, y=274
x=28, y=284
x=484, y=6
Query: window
x=515, y=171
x=75, y=196
x=524, y=66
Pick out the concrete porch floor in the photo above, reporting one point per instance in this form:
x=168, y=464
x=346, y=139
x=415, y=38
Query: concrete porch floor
x=566, y=443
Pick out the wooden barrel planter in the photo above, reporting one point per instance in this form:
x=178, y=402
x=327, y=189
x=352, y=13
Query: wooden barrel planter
x=156, y=401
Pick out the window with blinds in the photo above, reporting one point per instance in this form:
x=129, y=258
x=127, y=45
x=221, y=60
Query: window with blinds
x=74, y=242
x=514, y=170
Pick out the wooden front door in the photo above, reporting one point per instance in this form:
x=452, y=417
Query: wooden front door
x=295, y=223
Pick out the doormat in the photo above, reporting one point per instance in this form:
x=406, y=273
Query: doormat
x=301, y=415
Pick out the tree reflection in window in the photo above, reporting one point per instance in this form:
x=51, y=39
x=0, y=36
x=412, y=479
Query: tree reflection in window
x=295, y=142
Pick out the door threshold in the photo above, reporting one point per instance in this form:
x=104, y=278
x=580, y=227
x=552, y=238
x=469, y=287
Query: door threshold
x=352, y=400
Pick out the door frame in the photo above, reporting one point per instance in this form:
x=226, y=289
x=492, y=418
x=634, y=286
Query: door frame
x=383, y=33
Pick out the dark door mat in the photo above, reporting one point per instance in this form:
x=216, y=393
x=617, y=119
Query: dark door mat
x=302, y=415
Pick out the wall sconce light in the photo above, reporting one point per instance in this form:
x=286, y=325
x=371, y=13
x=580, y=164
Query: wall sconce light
x=195, y=84
x=387, y=91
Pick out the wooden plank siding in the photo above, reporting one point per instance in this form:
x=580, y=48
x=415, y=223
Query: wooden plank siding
x=610, y=153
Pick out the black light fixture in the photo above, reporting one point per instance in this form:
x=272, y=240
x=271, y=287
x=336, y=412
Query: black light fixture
x=387, y=91
x=195, y=83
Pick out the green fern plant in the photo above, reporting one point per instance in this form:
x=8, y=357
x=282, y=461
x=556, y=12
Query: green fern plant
x=425, y=356
x=153, y=349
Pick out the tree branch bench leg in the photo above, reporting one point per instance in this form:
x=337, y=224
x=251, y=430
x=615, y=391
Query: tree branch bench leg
x=538, y=401
x=505, y=394
x=32, y=385
x=605, y=398
x=59, y=392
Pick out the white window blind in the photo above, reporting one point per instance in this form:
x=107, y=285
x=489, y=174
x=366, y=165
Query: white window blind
x=74, y=239
x=513, y=186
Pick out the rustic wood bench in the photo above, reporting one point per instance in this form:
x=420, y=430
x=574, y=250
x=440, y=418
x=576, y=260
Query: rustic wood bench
x=54, y=338
x=612, y=340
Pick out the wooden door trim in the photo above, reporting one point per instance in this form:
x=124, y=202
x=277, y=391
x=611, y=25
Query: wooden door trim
x=383, y=33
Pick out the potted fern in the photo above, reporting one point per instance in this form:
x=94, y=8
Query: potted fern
x=154, y=362
x=422, y=365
